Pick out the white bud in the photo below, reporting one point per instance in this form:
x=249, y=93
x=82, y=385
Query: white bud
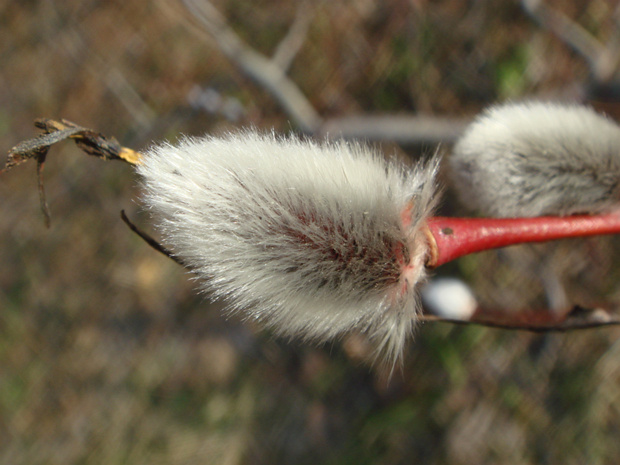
x=449, y=298
x=312, y=240
x=533, y=159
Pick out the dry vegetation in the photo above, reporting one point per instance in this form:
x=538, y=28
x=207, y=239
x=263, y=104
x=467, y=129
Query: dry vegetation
x=106, y=354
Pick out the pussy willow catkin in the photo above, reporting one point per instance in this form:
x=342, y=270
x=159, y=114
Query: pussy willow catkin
x=535, y=158
x=311, y=239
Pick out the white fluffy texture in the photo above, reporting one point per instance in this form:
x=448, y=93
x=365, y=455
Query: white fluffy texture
x=532, y=159
x=306, y=238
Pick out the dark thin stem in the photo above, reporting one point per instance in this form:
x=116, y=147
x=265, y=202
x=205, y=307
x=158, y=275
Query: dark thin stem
x=149, y=240
x=47, y=217
x=569, y=324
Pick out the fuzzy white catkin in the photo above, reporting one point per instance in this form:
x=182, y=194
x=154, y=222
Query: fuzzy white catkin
x=307, y=238
x=535, y=158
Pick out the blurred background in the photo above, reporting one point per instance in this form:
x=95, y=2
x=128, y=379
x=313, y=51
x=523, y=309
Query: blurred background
x=108, y=356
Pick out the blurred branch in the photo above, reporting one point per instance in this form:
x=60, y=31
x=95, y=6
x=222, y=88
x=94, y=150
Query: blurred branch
x=73, y=42
x=288, y=48
x=127, y=95
x=402, y=129
x=266, y=72
x=602, y=59
x=539, y=321
x=271, y=75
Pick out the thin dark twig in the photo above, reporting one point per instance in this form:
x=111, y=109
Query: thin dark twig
x=47, y=217
x=149, y=240
x=569, y=324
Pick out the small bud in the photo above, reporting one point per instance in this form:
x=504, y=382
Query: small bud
x=449, y=298
x=533, y=159
x=312, y=240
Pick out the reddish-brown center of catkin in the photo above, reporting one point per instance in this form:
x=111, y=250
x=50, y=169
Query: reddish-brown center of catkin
x=369, y=256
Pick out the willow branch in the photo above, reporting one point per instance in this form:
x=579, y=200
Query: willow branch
x=537, y=321
x=270, y=73
x=106, y=148
x=405, y=130
x=265, y=71
x=602, y=59
x=289, y=47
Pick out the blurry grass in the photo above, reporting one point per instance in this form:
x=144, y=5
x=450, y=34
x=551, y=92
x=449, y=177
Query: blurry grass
x=108, y=356
x=511, y=78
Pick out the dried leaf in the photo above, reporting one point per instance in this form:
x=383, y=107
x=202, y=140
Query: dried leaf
x=89, y=141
